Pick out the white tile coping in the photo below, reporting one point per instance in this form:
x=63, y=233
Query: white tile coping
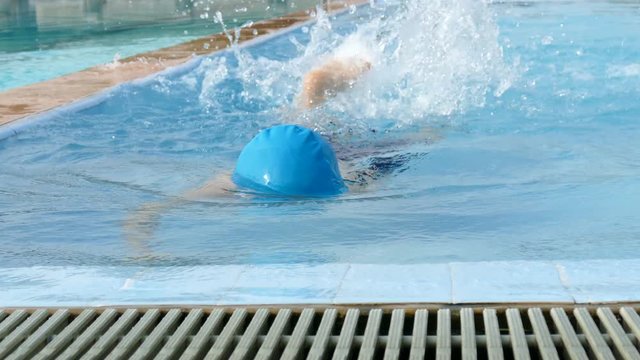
x=588, y=281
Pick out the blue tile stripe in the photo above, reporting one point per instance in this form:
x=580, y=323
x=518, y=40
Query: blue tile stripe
x=589, y=281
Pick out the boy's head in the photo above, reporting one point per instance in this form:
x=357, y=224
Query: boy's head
x=289, y=160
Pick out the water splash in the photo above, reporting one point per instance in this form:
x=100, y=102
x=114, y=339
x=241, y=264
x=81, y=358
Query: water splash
x=433, y=58
x=430, y=60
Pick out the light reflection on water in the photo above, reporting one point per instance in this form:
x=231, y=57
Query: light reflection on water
x=547, y=170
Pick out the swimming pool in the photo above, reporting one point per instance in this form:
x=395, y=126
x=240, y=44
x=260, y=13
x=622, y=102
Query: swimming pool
x=529, y=112
x=40, y=40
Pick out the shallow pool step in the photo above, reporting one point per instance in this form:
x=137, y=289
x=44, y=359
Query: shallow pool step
x=322, y=333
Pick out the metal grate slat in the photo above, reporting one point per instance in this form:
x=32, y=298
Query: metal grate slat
x=131, y=340
x=370, y=340
x=346, y=335
x=249, y=338
x=569, y=338
x=153, y=340
x=204, y=336
x=598, y=332
x=624, y=346
x=299, y=335
x=39, y=336
x=177, y=340
x=222, y=346
x=66, y=336
x=21, y=332
x=321, y=339
x=394, y=338
x=594, y=337
x=632, y=320
x=468, y=334
x=443, y=341
x=543, y=337
x=109, y=338
x=419, y=339
x=271, y=341
x=89, y=335
x=11, y=322
x=492, y=333
x=516, y=332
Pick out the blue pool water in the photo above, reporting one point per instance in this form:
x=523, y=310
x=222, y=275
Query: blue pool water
x=512, y=129
x=40, y=40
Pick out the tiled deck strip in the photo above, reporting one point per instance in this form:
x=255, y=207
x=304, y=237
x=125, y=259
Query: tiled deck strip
x=569, y=282
x=37, y=98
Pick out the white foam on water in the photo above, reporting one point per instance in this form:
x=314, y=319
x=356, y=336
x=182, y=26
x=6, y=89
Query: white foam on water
x=629, y=70
x=429, y=59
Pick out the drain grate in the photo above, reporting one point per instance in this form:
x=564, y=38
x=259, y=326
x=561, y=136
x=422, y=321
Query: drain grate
x=321, y=333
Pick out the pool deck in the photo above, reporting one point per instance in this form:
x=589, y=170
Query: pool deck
x=26, y=101
x=566, y=282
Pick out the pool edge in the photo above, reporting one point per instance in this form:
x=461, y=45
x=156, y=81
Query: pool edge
x=26, y=104
x=510, y=282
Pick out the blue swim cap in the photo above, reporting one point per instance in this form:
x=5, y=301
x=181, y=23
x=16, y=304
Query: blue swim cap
x=289, y=160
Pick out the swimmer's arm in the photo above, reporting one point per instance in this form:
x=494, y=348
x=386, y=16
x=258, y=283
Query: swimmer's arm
x=140, y=225
x=219, y=186
x=330, y=78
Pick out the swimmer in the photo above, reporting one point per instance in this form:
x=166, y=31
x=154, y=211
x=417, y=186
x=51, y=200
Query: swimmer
x=336, y=75
x=320, y=84
x=302, y=163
